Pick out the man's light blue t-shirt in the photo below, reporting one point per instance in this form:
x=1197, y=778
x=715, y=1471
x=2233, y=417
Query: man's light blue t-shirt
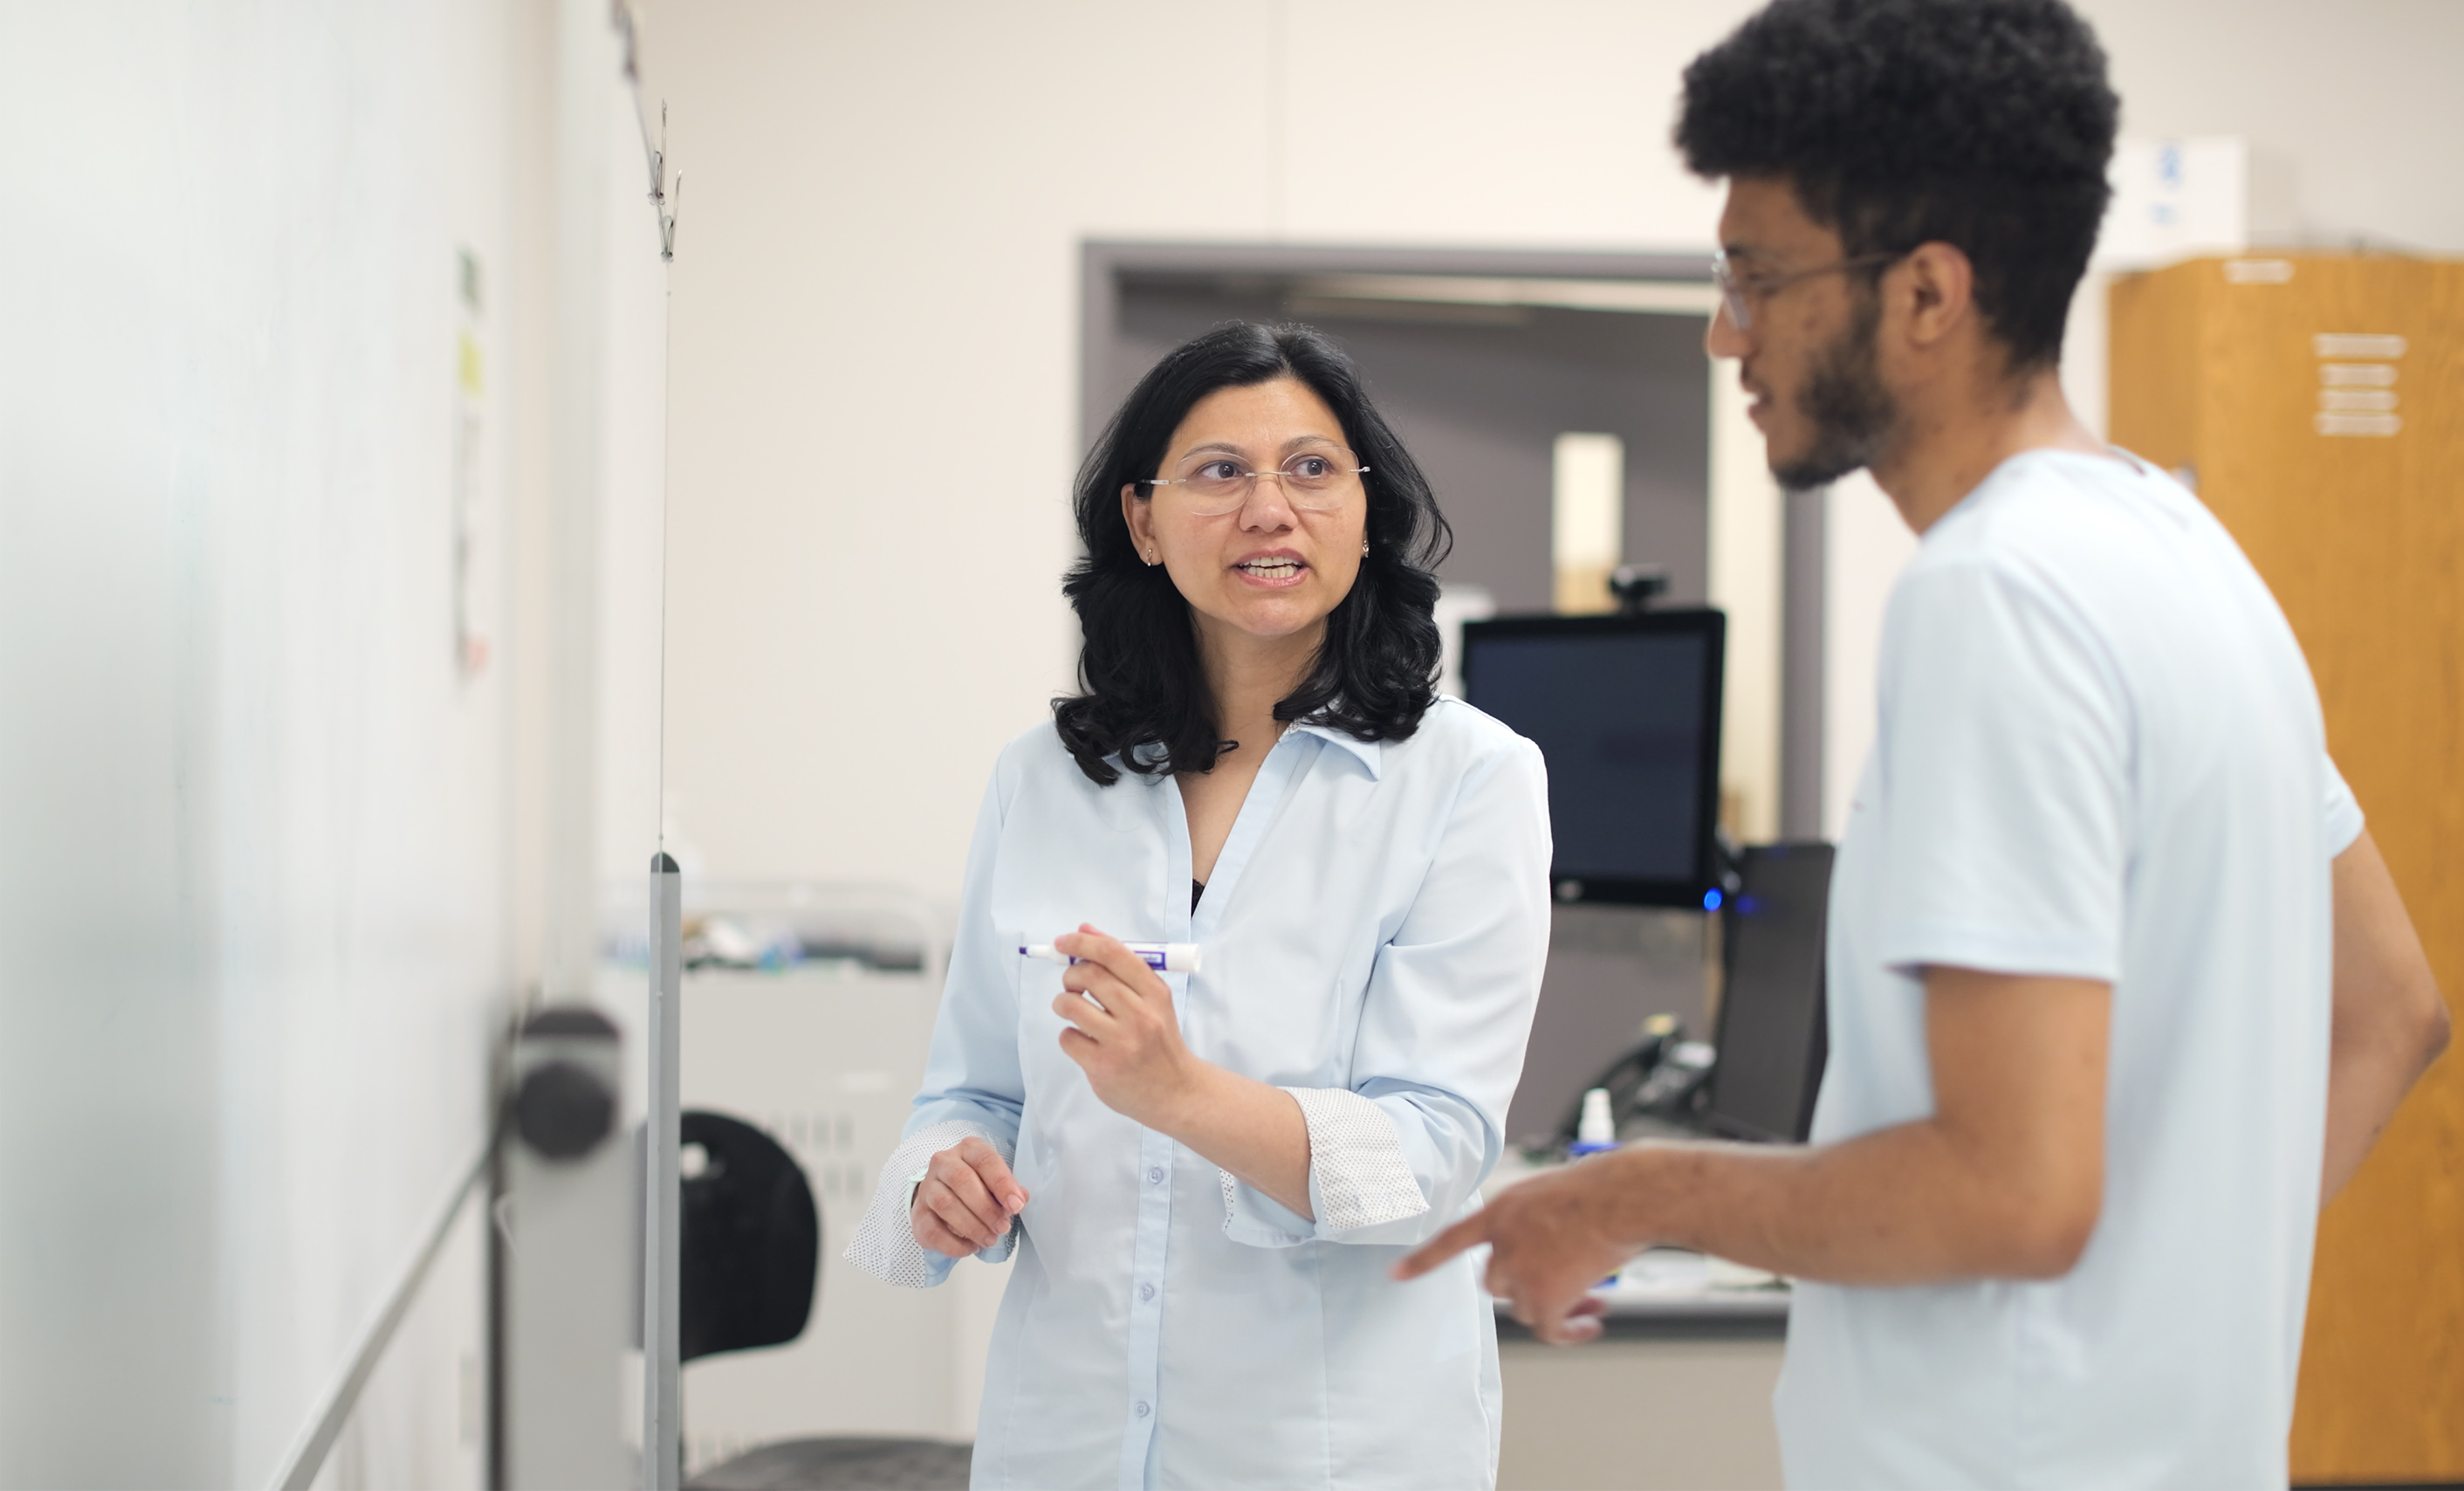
x=2099, y=754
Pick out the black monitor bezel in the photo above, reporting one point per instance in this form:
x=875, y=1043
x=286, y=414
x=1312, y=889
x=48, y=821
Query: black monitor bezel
x=1690, y=891
x=1711, y=1117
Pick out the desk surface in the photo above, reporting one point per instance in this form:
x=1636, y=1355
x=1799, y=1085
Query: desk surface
x=1670, y=1283
x=1668, y=1291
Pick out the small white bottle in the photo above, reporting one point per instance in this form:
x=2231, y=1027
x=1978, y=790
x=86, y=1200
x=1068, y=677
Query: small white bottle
x=1597, y=1130
x=1595, y=1134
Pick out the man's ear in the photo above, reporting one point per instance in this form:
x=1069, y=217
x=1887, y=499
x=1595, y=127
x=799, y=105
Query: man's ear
x=1938, y=284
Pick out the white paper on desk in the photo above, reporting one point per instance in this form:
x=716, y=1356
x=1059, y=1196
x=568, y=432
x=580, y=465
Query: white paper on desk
x=1674, y=1271
x=1720, y=1274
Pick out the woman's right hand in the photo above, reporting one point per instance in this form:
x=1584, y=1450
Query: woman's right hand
x=966, y=1200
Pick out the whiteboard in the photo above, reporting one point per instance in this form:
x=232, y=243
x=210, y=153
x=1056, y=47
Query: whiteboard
x=273, y=870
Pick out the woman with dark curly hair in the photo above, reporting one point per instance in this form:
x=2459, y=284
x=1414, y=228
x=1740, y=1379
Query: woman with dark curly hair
x=1205, y=1175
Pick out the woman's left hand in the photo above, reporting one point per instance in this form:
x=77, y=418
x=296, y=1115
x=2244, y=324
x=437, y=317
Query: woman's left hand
x=1128, y=1038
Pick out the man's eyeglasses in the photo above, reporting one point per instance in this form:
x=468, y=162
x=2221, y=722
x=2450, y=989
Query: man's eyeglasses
x=1312, y=481
x=1738, y=291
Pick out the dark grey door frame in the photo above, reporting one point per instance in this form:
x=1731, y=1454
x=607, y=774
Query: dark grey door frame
x=1103, y=264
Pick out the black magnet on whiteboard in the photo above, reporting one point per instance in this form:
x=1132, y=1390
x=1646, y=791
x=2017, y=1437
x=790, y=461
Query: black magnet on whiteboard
x=564, y=1110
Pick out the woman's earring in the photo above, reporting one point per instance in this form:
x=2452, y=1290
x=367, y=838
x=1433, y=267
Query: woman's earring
x=1364, y=548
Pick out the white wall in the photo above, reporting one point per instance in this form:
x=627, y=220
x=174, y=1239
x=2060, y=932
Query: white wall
x=253, y=808
x=875, y=323
x=265, y=873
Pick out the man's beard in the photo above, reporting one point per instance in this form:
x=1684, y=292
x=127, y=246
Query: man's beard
x=1852, y=414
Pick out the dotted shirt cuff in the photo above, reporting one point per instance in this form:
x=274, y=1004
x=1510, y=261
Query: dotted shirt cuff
x=1357, y=1174
x=884, y=1244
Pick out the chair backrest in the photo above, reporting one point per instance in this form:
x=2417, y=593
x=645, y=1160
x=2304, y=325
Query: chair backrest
x=751, y=1241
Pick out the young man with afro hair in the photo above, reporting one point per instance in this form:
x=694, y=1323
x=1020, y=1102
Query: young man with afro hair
x=2120, y=989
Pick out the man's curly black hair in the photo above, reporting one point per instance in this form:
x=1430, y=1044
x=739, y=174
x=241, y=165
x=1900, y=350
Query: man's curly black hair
x=1982, y=124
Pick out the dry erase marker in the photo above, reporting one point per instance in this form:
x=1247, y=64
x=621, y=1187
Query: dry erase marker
x=1162, y=957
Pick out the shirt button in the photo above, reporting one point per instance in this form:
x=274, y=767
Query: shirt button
x=1142, y=1408
x=1146, y=1291
x=1154, y=1177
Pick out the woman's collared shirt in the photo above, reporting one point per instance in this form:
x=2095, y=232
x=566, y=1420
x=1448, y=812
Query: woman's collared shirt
x=1372, y=937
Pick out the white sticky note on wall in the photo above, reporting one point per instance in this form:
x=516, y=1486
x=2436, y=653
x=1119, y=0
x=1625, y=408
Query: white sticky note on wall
x=2175, y=199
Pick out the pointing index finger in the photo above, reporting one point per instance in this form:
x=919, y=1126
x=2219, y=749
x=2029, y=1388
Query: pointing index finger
x=1469, y=1233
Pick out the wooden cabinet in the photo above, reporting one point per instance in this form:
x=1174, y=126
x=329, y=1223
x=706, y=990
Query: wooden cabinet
x=2317, y=406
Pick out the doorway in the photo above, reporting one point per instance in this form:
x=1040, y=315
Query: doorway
x=1482, y=361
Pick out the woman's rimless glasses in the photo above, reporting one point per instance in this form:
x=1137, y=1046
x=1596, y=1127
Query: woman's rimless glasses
x=1312, y=481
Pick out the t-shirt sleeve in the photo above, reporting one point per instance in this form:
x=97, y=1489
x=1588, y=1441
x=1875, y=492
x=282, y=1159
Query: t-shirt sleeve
x=2004, y=757
x=2344, y=812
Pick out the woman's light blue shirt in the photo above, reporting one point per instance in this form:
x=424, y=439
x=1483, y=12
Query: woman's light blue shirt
x=1373, y=935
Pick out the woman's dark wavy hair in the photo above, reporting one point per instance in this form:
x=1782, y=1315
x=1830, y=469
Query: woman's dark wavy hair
x=1983, y=123
x=1145, y=703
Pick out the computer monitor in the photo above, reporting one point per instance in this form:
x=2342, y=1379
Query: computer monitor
x=1771, y=1036
x=1626, y=710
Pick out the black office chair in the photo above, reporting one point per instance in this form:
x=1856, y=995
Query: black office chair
x=751, y=1242
x=750, y=1264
